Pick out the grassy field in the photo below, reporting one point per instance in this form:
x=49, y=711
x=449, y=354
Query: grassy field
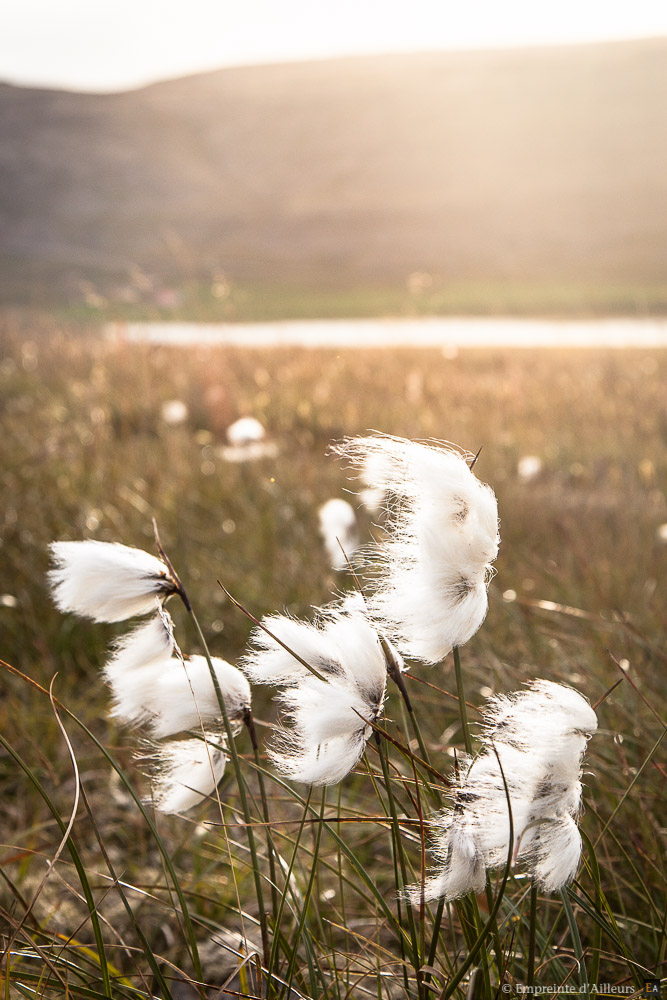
x=86, y=454
x=255, y=301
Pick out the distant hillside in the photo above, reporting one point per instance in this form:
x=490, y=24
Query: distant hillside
x=540, y=165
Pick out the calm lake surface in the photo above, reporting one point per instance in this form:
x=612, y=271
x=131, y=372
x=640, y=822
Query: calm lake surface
x=446, y=333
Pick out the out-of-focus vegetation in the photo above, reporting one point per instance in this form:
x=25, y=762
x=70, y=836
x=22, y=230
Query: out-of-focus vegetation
x=86, y=453
x=422, y=294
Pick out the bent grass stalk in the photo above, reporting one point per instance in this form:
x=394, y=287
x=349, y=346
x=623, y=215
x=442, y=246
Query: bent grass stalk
x=591, y=863
x=270, y=846
x=164, y=853
x=351, y=857
x=147, y=950
x=240, y=779
x=375, y=897
x=532, y=929
x=78, y=863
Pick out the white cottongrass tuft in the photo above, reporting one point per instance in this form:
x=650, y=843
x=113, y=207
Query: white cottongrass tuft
x=185, y=695
x=529, y=467
x=170, y=693
x=328, y=716
x=174, y=412
x=138, y=662
x=539, y=735
x=186, y=772
x=152, y=683
x=244, y=431
x=338, y=527
x=371, y=473
x=247, y=442
x=106, y=581
x=442, y=536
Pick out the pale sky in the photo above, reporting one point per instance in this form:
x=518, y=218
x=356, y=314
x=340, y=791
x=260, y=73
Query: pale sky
x=102, y=45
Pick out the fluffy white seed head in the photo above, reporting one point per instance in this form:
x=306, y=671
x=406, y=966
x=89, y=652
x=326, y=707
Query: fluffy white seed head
x=327, y=716
x=535, y=738
x=139, y=661
x=184, y=696
x=433, y=569
x=354, y=603
x=106, y=581
x=325, y=710
x=339, y=531
x=186, y=772
x=174, y=412
x=269, y=662
x=170, y=693
x=549, y=720
x=555, y=854
x=462, y=869
x=341, y=644
x=373, y=474
x=245, y=430
x=247, y=442
x=529, y=467
x=326, y=764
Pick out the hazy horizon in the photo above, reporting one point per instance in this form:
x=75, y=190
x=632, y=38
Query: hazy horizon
x=121, y=46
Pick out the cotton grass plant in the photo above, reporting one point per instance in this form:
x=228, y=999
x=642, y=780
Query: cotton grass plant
x=315, y=910
x=528, y=767
x=333, y=702
x=434, y=567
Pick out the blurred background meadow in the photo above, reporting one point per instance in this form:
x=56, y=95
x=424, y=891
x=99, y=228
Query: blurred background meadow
x=512, y=180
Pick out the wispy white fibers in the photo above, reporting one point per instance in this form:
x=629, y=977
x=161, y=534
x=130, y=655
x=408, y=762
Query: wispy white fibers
x=152, y=683
x=139, y=661
x=170, y=693
x=338, y=528
x=539, y=734
x=433, y=569
x=326, y=716
x=106, y=581
x=155, y=685
x=371, y=473
x=185, y=695
x=186, y=772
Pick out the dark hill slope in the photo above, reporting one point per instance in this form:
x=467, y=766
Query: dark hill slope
x=532, y=164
